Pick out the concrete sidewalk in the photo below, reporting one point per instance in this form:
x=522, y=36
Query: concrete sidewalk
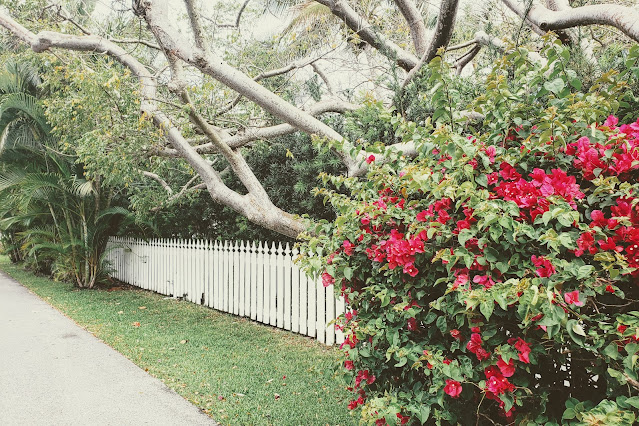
x=53, y=372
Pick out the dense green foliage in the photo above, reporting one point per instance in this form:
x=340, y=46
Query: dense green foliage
x=494, y=277
x=54, y=217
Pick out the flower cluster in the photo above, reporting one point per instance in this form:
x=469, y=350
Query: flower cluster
x=476, y=277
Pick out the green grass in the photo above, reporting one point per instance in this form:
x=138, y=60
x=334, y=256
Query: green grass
x=237, y=371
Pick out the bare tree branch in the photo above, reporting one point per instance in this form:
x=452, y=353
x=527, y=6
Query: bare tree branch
x=625, y=19
x=364, y=29
x=441, y=38
x=466, y=58
x=196, y=25
x=415, y=22
x=138, y=41
x=319, y=71
x=253, y=134
x=239, y=17
x=159, y=180
x=236, y=80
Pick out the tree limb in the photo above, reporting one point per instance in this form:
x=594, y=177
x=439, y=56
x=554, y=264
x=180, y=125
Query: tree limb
x=196, y=25
x=441, y=38
x=159, y=180
x=253, y=134
x=236, y=80
x=625, y=19
x=267, y=74
x=364, y=29
x=255, y=208
x=415, y=22
x=319, y=71
x=239, y=17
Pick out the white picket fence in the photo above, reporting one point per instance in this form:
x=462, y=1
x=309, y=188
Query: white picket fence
x=246, y=279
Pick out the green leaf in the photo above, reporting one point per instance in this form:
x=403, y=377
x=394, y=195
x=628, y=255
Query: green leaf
x=555, y=86
x=634, y=401
x=611, y=351
x=578, y=329
x=486, y=308
x=482, y=180
x=491, y=254
x=424, y=413
x=585, y=271
x=348, y=273
x=402, y=362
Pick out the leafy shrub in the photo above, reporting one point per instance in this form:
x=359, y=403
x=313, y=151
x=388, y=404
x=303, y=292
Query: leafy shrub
x=494, y=278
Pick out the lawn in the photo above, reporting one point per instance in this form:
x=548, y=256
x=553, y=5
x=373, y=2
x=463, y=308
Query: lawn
x=237, y=371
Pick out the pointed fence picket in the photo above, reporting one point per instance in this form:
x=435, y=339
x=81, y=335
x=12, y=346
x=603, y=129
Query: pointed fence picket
x=254, y=280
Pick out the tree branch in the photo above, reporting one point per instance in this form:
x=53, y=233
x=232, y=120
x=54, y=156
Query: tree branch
x=238, y=81
x=196, y=25
x=625, y=19
x=159, y=180
x=357, y=23
x=441, y=38
x=415, y=22
x=319, y=71
x=256, y=209
x=253, y=134
x=239, y=17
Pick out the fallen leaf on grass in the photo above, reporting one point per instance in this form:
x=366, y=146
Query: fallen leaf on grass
x=277, y=396
x=136, y=324
x=120, y=312
x=142, y=307
x=183, y=341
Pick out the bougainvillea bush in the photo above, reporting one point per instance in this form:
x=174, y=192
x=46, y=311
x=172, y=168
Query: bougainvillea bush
x=494, y=279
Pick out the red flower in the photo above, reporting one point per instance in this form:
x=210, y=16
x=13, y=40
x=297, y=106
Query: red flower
x=507, y=370
x=327, y=279
x=456, y=334
x=544, y=267
x=349, y=365
x=496, y=383
x=348, y=247
x=370, y=159
x=610, y=289
x=402, y=419
x=585, y=243
x=572, y=298
x=411, y=324
x=523, y=347
x=364, y=375
x=453, y=388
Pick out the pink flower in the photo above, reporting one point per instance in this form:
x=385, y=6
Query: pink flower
x=349, y=365
x=544, y=267
x=327, y=279
x=348, y=247
x=453, y=388
x=523, y=347
x=572, y=298
x=456, y=334
x=506, y=369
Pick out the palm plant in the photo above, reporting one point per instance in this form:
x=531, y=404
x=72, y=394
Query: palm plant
x=51, y=215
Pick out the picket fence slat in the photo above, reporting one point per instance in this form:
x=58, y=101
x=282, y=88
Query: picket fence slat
x=259, y=281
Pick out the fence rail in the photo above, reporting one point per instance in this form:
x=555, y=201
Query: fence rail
x=246, y=279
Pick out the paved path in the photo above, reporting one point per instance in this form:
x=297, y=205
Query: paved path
x=53, y=372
